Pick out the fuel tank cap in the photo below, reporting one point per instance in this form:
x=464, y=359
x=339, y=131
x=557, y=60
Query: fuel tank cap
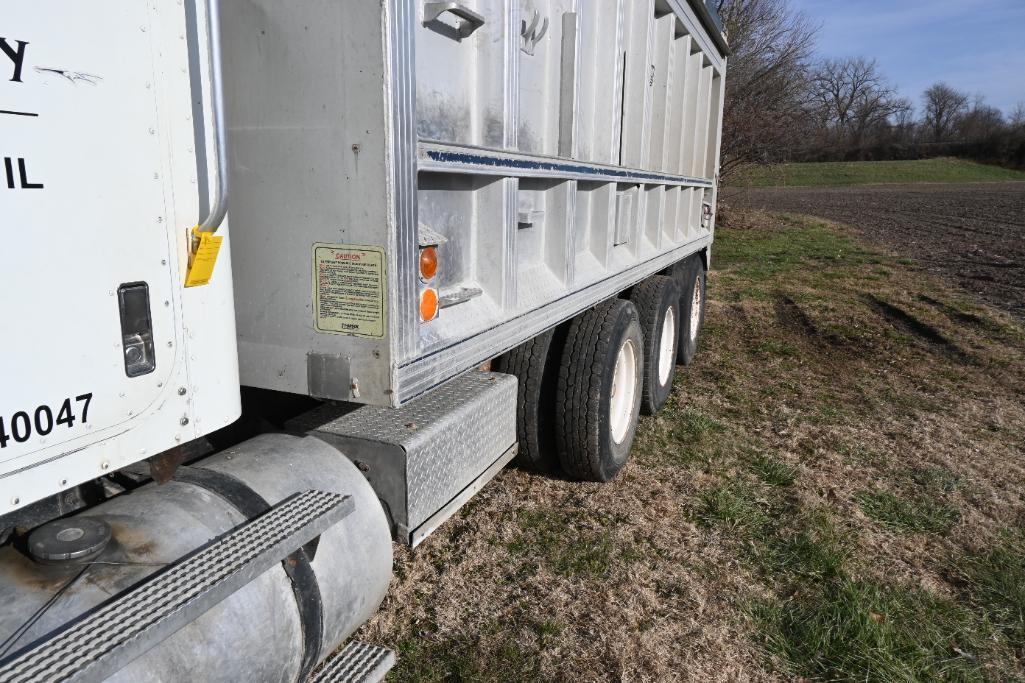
x=78, y=539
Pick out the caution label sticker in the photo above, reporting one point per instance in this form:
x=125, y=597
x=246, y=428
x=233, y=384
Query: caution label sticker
x=349, y=290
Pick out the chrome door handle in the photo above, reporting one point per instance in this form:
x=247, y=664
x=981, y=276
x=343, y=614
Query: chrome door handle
x=219, y=203
x=470, y=21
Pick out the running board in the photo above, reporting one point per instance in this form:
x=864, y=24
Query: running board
x=356, y=663
x=103, y=641
x=428, y=457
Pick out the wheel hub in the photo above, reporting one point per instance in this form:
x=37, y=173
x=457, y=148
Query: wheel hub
x=667, y=347
x=624, y=389
x=695, y=310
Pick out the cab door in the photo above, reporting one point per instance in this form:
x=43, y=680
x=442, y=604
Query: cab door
x=89, y=284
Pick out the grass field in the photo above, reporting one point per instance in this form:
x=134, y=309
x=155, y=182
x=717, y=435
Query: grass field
x=874, y=172
x=836, y=491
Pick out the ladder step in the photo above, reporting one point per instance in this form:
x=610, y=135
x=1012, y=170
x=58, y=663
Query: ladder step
x=356, y=663
x=122, y=629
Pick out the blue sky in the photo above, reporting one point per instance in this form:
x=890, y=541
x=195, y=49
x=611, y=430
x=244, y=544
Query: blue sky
x=977, y=46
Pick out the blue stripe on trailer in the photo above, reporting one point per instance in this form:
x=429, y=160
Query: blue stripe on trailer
x=470, y=159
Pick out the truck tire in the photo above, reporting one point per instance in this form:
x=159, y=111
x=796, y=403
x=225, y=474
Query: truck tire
x=535, y=363
x=658, y=306
x=693, y=288
x=599, y=391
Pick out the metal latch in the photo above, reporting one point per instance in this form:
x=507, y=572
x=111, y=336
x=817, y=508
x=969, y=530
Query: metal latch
x=469, y=21
x=136, y=329
x=527, y=219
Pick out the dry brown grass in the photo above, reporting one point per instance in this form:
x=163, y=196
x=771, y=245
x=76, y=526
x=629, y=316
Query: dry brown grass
x=851, y=421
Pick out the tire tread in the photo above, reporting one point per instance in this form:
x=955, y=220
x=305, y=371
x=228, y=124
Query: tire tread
x=528, y=362
x=578, y=398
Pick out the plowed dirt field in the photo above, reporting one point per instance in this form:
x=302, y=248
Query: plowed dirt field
x=971, y=234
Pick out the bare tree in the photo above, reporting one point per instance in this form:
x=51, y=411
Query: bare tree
x=981, y=122
x=1015, y=155
x=904, y=114
x=780, y=106
x=1017, y=116
x=943, y=107
x=852, y=98
x=766, y=85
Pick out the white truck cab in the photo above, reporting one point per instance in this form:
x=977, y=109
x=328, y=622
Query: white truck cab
x=108, y=142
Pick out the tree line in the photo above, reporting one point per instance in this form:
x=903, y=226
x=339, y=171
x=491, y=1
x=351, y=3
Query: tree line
x=784, y=103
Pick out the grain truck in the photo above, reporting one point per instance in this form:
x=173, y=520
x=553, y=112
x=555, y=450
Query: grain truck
x=286, y=283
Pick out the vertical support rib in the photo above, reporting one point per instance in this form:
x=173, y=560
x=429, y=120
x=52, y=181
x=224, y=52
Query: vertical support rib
x=672, y=213
x=714, y=128
x=603, y=216
x=619, y=41
x=637, y=64
x=701, y=123
x=661, y=79
x=572, y=197
x=510, y=199
x=568, y=85
x=677, y=105
x=654, y=217
x=401, y=96
x=688, y=195
x=511, y=73
x=690, y=114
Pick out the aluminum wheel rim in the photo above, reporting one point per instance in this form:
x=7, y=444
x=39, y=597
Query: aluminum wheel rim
x=695, y=310
x=624, y=389
x=666, y=350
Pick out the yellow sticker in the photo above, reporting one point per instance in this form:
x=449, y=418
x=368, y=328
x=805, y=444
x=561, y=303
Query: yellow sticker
x=203, y=258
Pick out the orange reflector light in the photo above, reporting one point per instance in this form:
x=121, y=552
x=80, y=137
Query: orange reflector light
x=428, y=262
x=429, y=305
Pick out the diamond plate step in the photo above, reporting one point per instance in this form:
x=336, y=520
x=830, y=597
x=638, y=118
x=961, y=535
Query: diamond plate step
x=122, y=629
x=356, y=663
x=426, y=458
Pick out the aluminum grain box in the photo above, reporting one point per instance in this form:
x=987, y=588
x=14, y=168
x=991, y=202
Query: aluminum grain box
x=555, y=152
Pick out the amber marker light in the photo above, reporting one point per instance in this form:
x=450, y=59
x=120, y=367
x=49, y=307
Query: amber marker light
x=429, y=305
x=428, y=262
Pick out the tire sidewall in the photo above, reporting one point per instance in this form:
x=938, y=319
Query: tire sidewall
x=669, y=299
x=613, y=456
x=694, y=276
